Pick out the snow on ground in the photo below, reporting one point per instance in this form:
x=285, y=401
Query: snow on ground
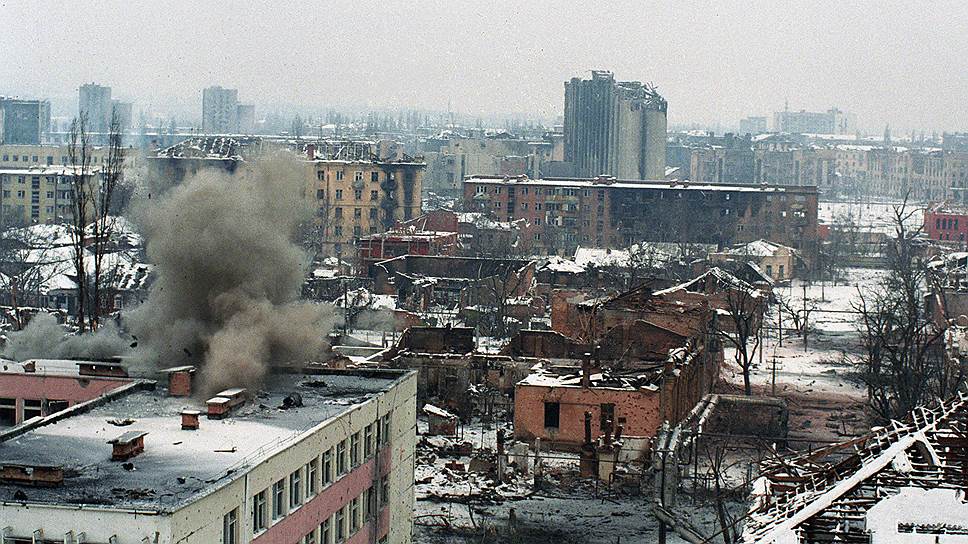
x=825, y=398
x=877, y=216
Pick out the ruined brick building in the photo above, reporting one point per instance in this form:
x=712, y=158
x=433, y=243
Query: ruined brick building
x=562, y=213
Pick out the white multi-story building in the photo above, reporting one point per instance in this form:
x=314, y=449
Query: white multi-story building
x=220, y=110
x=319, y=458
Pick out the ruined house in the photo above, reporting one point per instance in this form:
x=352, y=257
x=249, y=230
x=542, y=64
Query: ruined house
x=901, y=483
x=423, y=281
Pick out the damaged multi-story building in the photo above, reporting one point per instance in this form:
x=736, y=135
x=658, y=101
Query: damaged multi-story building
x=562, y=213
x=313, y=456
x=615, y=128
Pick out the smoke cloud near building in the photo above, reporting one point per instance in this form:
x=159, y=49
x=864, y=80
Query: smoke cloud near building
x=228, y=280
x=229, y=276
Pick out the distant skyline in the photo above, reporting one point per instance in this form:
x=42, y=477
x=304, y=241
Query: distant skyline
x=901, y=64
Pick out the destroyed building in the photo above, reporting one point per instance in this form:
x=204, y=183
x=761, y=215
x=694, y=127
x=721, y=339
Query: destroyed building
x=904, y=482
x=310, y=457
x=610, y=212
x=423, y=281
x=450, y=370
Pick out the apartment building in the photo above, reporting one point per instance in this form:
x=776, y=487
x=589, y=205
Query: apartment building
x=324, y=457
x=24, y=121
x=561, y=213
x=356, y=194
x=36, y=182
x=94, y=102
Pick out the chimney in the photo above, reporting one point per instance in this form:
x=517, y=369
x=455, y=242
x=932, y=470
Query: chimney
x=221, y=404
x=180, y=380
x=586, y=370
x=588, y=456
x=608, y=432
x=618, y=433
x=189, y=419
x=128, y=445
x=311, y=151
x=32, y=475
x=588, y=428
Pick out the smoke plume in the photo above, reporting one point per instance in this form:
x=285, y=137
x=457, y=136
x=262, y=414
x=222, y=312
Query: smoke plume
x=44, y=338
x=229, y=276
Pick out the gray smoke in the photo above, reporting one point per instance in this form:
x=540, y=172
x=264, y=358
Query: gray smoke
x=44, y=338
x=229, y=276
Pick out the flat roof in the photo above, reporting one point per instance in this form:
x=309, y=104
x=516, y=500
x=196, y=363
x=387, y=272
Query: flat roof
x=642, y=184
x=179, y=466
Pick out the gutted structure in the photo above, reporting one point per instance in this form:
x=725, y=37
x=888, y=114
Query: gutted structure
x=616, y=128
x=904, y=483
x=609, y=212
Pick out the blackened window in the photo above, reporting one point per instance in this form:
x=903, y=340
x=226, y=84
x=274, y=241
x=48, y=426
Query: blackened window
x=552, y=414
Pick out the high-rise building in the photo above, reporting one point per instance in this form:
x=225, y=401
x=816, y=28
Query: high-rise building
x=615, y=128
x=94, y=102
x=123, y=111
x=24, y=122
x=220, y=110
x=752, y=125
x=832, y=121
x=246, y=118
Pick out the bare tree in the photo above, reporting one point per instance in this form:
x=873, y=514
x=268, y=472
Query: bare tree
x=28, y=262
x=903, y=363
x=79, y=152
x=93, y=191
x=740, y=327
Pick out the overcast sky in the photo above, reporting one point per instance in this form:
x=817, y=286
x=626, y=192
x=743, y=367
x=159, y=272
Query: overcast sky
x=900, y=63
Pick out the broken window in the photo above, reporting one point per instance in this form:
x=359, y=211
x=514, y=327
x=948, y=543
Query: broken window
x=355, y=449
x=374, y=195
x=312, y=475
x=295, y=489
x=259, y=511
x=328, y=467
x=607, y=418
x=358, y=194
x=384, y=491
x=230, y=527
x=341, y=457
x=552, y=414
x=33, y=408
x=386, y=428
x=278, y=499
x=368, y=441
x=374, y=176
x=369, y=503
x=8, y=412
x=339, y=194
x=320, y=194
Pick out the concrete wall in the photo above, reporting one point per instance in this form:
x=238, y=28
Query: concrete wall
x=72, y=389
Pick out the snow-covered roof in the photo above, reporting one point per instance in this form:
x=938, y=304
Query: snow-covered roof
x=562, y=265
x=806, y=492
x=362, y=298
x=598, y=257
x=758, y=248
x=595, y=183
x=176, y=469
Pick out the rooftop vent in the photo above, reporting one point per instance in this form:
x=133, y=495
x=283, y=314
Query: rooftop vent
x=189, y=419
x=221, y=404
x=128, y=445
x=32, y=475
x=112, y=370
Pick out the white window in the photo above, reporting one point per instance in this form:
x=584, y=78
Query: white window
x=325, y=532
x=354, y=515
x=259, y=511
x=385, y=424
x=230, y=527
x=341, y=524
x=312, y=475
x=358, y=176
x=278, y=499
x=355, y=449
x=295, y=489
x=368, y=441
x=341, y=457
x=328, y=467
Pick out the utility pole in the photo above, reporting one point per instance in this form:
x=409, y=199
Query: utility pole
x=779, y=320
x=804, y=325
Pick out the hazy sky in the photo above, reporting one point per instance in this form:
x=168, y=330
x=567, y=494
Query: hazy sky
x=889, y=62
